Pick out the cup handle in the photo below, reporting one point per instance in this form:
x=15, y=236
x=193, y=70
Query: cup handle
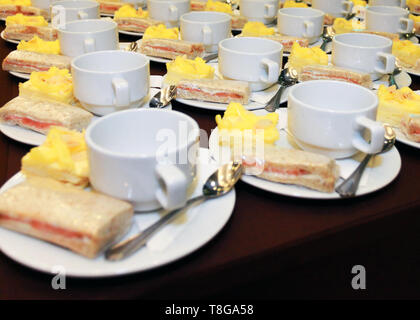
x=82, y=15
x=309, y=29
x=270, y=11
x=347, y=7
x=207, y=35
x=377, y=134
x=173, y=13
x=174, y=185
x=273, y=71
x=409, y=25
x=122, y=92
x=89, y=45
x=389, y=63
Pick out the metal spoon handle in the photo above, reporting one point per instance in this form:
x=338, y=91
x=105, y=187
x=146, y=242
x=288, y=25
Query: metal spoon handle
x=271, y=105
x=128, y=247
x=210, y=57
x=349, y=186
x=324, y=44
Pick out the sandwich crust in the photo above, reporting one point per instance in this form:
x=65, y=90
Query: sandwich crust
x=11, y=10
x=170, y=48
x=135, y=24
x=22, y=32
x=410, y=126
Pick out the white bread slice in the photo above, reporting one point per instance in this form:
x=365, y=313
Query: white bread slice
x=317, y=72
x=39, y=115
x=136, y=24
x=22, y=32
x=82, y=221
x=223, y=91
x=292, y=166
x=11, y=9
x=27, y=61
x=410, y=126
x=171, y=48
x=286, y=41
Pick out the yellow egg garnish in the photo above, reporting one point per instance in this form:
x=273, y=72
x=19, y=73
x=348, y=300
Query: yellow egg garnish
x=26, y=3
x=36, y=44
x=256, y=29
x=55, y=84
x=218, y=6
x=239, y=121
x=36, y=21
x=63, y=156
x=412, y=4
x=406, y=51
x=183, y=68
x=294, y=4
x=342, y=25
x=161, y=32
x=361, y=3
x=128, y=11
x=300, y=57
x=414, y=18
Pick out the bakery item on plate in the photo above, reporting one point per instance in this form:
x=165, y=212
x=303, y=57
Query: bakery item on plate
x=12, y=7
x=414, y=6
x=62, y=157
x=197, y=5
x=301, y=57
x=318, y=72
x=27, y=61
x=160, y=31
x=182, y=68
x=40, y=114
x=82, y=221
x=171, y=48
x=407, y=53
x=291, y=166
x=214, y=90
x=130, y=19
x=238, y=22
x=110, y=6
x=410, y=126
x=20, y=27
x=395, y=104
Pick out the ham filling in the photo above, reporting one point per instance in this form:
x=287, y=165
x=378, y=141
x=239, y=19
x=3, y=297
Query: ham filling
x=27, y=65
x=192, y=50
x=215, y=94
x=31, y=123
x=45, y=227
x=138, y=27
x=316, y=76
x=268, y=167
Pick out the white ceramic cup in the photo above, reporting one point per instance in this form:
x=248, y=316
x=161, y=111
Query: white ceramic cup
x=391, y=3
x=363, y=52
x=332, y=118
x=255, y=60
x=206, y=27
x=127, y=157
x=168, y=11
x=43, y=4
x=335, y=8
x=83, y=36
x=305, y=23
x=388, y=19
x=70, y=10
x=264, y=11
x=109, y=81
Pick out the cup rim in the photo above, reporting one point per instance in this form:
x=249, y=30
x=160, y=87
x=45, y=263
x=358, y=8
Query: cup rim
x=224, y=17
x=317, y=13
x=112, y=26
x=120, y=52
x=221, y=43
x=92, y=144
x=88, y=4
x=401, y=10
x=342, y=83
x=367, y=35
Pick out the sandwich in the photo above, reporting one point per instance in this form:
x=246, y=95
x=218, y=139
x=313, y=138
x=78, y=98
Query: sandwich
x=11, y=9
x=27, y=61
x=171, y=48
x=410, y=126
x=23, y=32
x=40, y=114
x=318, y=72
x=110, y=6
x=83, y=221
x=197, y=5
x=293, y=166
x=391, y=36
x=286, y=41
x=238, y=22
x=135, y=24
x=223, y=91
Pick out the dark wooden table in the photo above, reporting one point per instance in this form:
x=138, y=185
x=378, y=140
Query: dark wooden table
x=272, y=247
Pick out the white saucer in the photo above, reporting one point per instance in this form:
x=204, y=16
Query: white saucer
x=34, y=138
x=131, y=33
x=388, y=167
x=8, y=40
x=186, y=234
x=21, y=75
